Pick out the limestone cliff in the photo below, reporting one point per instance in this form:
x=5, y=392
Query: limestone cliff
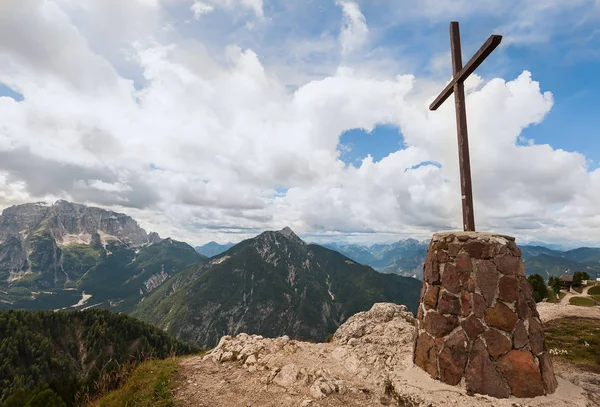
x=50, y=254
x=68, y=222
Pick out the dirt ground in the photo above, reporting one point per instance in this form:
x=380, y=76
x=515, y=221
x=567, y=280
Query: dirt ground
x=209, y=384
x=374, y=370
x=549, y=311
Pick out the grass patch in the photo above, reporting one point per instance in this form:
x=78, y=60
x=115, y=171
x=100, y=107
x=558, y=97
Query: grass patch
x=150, y=385
x=552, y=297
x=595, y=290
x=582, y=301
x=572, y=335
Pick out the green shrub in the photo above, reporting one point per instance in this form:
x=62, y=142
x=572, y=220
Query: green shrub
x=540, y=291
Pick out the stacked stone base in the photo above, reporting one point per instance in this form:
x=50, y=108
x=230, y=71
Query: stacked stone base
x=477, y=322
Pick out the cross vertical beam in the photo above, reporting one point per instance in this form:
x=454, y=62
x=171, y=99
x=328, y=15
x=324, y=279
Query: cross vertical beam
x=459, y=74
x=461, y=129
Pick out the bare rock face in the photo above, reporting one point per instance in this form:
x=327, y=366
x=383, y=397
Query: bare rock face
x=65, y=220
x=384, y=322
x=477, y=319
x=33, y=235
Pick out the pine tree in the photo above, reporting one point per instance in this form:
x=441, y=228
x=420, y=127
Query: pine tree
x=539, y=287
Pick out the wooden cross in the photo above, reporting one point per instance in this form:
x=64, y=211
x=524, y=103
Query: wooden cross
x=456, y=86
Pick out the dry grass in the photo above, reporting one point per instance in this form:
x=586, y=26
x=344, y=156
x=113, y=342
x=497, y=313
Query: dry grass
x=150, y=385
x=580, y=337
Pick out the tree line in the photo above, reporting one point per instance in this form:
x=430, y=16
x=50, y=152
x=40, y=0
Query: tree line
x=64, y=358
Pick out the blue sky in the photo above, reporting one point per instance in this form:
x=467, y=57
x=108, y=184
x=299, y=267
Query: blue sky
x=209, y=119
x=565, y=61
x=557, y=43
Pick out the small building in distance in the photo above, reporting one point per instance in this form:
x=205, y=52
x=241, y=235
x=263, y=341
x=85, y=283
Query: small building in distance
x=566, y=281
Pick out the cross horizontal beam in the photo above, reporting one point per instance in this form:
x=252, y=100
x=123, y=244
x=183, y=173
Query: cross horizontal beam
x=483, y=52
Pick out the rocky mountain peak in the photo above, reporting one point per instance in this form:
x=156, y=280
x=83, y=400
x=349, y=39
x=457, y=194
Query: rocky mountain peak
x=289, y=234
x=69, y=222
x=280, y=246
x=281, y=238
x=154, y=237
x=65, y=205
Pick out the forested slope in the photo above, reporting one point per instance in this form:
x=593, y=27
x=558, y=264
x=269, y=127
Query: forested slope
x=63, y=358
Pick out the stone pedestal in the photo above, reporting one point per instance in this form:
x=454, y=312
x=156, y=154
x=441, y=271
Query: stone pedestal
x=477, y=322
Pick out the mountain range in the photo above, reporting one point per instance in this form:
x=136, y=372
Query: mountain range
x=71, y=255
x=553, y=263
x=274, y=284
x=211, y=249
x=406, y=258
x=68, y=255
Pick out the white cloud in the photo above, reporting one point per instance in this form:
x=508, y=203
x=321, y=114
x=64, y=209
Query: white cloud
x=204, y=147
x=202, y=7
x=103, y=186
x=354, y=31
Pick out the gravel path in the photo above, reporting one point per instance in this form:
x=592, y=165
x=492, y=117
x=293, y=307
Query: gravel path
x=572, y=294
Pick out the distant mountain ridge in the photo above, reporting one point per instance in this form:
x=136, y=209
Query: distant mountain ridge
x=211, y=249
x=273, y=284
x=405, y=257
x=65, y=254
x=553, y=263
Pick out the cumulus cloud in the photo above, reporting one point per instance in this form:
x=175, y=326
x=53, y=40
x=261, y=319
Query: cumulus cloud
x=354, y=31
x=207, y=145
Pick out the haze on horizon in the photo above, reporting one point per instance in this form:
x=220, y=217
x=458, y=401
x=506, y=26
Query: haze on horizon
x=216, y=120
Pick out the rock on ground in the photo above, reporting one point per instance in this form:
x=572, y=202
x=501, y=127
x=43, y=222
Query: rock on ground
x=368, y=363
